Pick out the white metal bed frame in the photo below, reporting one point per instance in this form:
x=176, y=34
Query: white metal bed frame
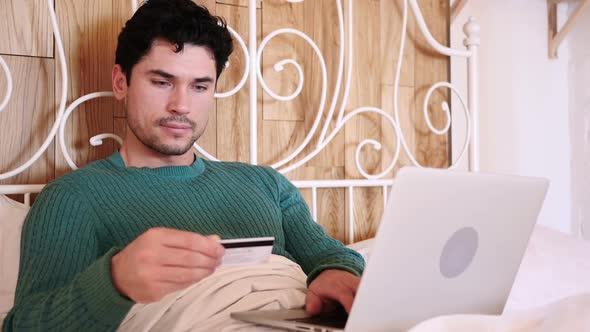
x=253, y=54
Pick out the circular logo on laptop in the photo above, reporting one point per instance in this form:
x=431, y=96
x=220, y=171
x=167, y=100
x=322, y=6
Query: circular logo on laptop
x=458, y=252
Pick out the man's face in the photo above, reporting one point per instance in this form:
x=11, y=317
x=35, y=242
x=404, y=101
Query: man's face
x=170, y=96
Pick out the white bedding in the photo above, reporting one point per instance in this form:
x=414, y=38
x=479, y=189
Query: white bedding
x=555, y=266
x=206, y=306
x=551, y=293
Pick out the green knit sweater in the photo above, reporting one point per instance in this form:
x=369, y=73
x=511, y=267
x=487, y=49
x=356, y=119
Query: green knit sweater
x=82, y=219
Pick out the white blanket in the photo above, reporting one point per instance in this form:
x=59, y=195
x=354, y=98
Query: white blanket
x=537, y=301
x=569, y=314
x=206, y=305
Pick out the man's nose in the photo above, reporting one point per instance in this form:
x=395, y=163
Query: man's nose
x=179, y=101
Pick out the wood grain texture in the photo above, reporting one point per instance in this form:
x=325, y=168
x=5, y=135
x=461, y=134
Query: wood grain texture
x=391, y=16
x=25, y=28
x=365, y=90
x=432, y=150
x=321, y=24
x=280, y=14
x=89, y=36
x=330, y=213
x=407, y=114
x=27, y=119
x=90, y=29
x=233, y=113
x=121, y=13
x=243, y=3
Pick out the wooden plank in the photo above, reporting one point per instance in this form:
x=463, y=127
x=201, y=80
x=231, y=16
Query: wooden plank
x=26, y=28
x=243, y=3
x=233, y=113
x=280, y=14
x=209, y=4
x=365, y=90
x=406, y=117
x=432, y=150
x=279, y=140
x=319, y=20
x=89, y=38
x=121, y=13
x=321, y=24
x=330, y=202
x=391, y=32
x=27, y=119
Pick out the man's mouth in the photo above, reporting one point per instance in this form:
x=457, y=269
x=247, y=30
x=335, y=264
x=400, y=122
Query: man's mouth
x=177, y=125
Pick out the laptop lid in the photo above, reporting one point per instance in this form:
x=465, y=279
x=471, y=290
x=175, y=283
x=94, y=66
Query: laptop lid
x=449, y=242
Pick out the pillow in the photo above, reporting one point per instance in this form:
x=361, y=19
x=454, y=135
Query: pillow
x=12, y=216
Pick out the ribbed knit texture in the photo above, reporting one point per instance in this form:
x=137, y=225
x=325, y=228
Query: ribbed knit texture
x=82, y=219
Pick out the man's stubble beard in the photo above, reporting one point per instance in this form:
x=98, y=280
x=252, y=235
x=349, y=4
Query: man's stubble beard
x=153, y=142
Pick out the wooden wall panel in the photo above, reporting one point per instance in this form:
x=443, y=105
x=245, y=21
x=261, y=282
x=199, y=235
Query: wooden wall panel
x=330, y=202
x=280, y=14
x=319, y=20
x=365, y=91
x=233, y=113
x=25, y=28
x=121, y=12
x=407, y=116
x=432, y=150
x=243, y=3
x=27, y=119
x=391, y=33
x=321, y=24
x=90, y=29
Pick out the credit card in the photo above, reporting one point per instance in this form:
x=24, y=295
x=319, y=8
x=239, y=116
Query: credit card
x=243, y=251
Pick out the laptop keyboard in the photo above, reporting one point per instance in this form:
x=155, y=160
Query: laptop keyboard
x=334, y=320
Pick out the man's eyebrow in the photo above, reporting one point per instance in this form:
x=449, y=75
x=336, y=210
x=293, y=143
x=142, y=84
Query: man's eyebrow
x=206, y=79
x=159, y=72
x=162, y=73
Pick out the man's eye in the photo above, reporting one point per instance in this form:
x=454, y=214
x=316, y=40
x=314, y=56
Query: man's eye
x=200, y=88
x=160, y=83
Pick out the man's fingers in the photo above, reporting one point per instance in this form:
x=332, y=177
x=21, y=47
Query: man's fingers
x=183, y=276
x=214, y=237
x=185, y=258
x=343, y=296
x=346, y=299
x=313, y=303
x=174, y=238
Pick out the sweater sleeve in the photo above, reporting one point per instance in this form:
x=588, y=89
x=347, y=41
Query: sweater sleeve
x=307, y=241
x=64, y=282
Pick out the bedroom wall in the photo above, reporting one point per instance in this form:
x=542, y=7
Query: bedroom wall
x=579, y=119
x=525, y=118
x=89, y=29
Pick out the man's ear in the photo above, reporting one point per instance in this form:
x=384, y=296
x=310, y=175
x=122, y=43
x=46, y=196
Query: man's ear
x=119, y=83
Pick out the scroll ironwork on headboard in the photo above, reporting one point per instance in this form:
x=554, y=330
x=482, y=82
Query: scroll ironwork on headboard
x=253, y=75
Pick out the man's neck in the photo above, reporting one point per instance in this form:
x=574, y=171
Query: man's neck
x=136, y=154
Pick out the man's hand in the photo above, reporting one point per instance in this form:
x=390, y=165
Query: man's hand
x=161, y=261
x=330, y=286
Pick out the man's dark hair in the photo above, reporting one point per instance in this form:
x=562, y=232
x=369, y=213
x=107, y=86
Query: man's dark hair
x=178, y=22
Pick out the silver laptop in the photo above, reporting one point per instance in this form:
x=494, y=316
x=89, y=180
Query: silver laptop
x=449, y=242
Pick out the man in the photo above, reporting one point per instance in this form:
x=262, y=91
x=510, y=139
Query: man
x=146, y=221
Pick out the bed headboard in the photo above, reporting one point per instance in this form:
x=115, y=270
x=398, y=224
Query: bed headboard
x=333, y=114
